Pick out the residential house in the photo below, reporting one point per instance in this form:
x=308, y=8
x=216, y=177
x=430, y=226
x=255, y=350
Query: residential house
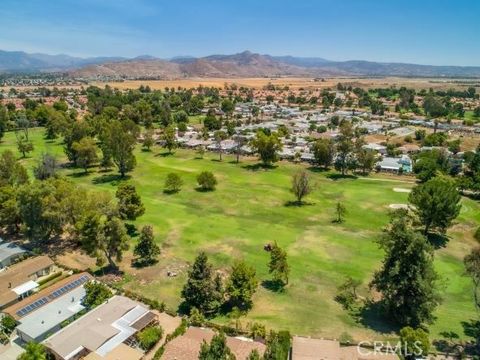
x=392, y=164
x=43, y=313
x=19, y=280
x=319, y=349
x=102, y=333
x=9, y=253
x=187, y=346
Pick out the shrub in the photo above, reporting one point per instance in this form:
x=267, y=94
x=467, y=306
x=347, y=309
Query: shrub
x=173, y=183
x=96, y=294
x=206, y=181
x=8, y=324
x=149, y=336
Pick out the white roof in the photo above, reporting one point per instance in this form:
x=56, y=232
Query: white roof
x=47, y=317
x=123, y=325
x=25, y=287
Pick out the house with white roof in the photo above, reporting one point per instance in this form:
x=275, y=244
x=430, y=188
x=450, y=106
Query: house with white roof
x=101, y=332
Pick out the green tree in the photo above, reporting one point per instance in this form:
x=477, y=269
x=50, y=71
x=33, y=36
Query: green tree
x=40, y=207
x=366, y=159
x=148, y=140
x=169, y=138
x=301, y=185
x=407, y=279
x=345, y=147
x=437, y=203
x=278, y=345
x=324, y=152
x=216, y=350
x=96, y=294
x=415, y=343
x=241, y=285
x=74, y=133
x=11, y=171
x=430, y=163
x=340, y=212
x=472, y=268
x=254, y=355
x=227, y=107
x=149, y=336
x=86, y=152
x=201, y=290
x=180, y=117
x=267, y=146
x=130, y=204
x=8, y=324
x=24, y=145
x=33, y=351
x=278, y=265
x=120, y=139
x=206, y=181
x=104, y=238
x=219, y=136
x=146, y=249
x=9, y=211
x=173, y=183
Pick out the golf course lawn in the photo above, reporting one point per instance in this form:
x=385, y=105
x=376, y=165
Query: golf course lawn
x=249, y=209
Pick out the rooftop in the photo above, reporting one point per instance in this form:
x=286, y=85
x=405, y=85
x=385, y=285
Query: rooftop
x=49, y=316
x=18, y=274
x=319, y=349
x=8, y=249
x=101, y=330
x=45, y=295
x=187, y=346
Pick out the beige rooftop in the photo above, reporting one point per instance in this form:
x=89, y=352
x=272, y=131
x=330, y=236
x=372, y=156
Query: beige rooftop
x=92, y=330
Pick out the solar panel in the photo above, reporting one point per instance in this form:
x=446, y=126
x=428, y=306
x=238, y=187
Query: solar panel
x=64, y=289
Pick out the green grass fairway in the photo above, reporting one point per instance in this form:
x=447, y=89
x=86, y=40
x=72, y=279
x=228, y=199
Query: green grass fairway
x=248, y=210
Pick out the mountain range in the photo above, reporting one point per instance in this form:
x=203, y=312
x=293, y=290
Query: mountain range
x=244, y=64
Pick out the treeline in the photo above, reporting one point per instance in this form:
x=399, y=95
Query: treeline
x=51, y=209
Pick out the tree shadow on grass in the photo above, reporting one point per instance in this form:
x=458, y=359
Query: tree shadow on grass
x=203, y=190
x=274, y=285
x=337, y=176
x=372, y=315
x=165, y=154
x=139, y=263
x=259, y=166
x=110, y=178
x=170, y=192
x=107, y=270
x=295, y=203
x=318, y=169
x=438, y=240
x=78, y=174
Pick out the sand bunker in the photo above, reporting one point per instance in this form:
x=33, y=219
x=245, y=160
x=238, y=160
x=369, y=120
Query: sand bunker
x=398, y=206
x=402, y=190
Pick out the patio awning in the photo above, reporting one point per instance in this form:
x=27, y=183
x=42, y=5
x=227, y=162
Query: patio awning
x=25, y=287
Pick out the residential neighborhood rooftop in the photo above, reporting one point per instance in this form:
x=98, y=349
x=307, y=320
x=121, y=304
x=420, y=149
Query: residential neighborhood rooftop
x=20, y=274
x=100, y=331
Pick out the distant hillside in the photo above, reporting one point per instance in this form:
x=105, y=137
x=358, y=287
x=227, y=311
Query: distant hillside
x=19, y=61
x=244, y=64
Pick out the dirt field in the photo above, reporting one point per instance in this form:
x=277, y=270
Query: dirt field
x=294, y=83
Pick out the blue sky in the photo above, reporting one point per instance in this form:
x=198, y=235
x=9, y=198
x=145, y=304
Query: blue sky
x=439, y=32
